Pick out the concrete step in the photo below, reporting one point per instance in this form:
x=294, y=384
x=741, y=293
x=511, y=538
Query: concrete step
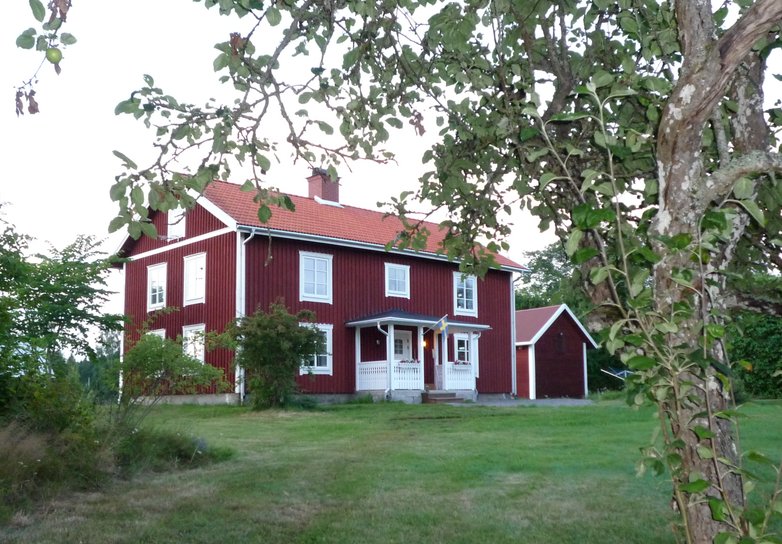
x=439, y=397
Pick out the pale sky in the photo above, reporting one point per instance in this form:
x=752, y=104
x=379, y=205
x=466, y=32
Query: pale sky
x=58, y=164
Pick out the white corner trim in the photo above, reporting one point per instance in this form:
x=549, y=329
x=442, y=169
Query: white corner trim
x=533, y=386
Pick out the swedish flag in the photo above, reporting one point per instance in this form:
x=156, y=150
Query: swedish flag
x=442, y=325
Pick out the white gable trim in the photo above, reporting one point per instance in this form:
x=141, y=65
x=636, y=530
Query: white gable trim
x=183, y=243
x=545, y=327
x=215, y=210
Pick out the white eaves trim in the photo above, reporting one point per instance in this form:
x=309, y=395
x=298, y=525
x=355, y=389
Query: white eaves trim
x=320, y=239
x=555, y=315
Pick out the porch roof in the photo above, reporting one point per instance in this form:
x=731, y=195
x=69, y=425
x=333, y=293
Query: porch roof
x=401, y=317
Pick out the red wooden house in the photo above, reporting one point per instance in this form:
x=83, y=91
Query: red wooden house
x=551, y=353
x=378, y=309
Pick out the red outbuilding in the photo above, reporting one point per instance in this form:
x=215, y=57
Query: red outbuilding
x=380, y=310
x=551, y=353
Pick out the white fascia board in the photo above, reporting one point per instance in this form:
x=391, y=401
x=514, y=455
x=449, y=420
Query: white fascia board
x=183, y=243
x=320, y=239
x=555, y=315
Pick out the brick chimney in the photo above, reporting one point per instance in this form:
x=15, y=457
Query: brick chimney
x=322, y=187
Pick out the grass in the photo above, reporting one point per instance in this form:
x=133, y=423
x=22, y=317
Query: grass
x=389, y=473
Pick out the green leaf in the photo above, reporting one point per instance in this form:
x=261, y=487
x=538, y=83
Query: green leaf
x=743, y=188
x=573, y=241
x=274, y=17
x=598, y=275
x=570, y=116
x=325, y=127
x=717, y=507
x=640, y=362
x=149, y=80
x=117, y=223
x=546, y=178
x=148, y=229
x=26, y=39
x=124, y=158
x=248, y=186
x=263, y=161
x=754, y=210
x=221, y=61
x=704, y=452
x=702, y=432
x=601, y=79
x=67, y=38
x=39, y=12
x=696, y=486
x=584, y=254
x=264, y=213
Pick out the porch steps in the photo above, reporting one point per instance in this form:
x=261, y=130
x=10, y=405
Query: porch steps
x=439, y=397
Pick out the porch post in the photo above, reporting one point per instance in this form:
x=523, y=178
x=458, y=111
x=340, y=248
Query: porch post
x=445, y=361
x=420, y=364
x=390, y=356
x=358, y=357
x=471, y=343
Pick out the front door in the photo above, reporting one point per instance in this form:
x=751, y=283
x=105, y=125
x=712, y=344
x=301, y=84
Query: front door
x=403, y=345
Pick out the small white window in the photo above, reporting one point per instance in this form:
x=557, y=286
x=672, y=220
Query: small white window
x=466, y=350
x=315, y=277
x=397, y=280
x=195, y=279
x=158, y=332
x=465, y=294
x=156, y=286
x=193, y=340
x=176, y=224
x=320, y=363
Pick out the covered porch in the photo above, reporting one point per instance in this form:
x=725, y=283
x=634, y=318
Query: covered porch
x=398, y=351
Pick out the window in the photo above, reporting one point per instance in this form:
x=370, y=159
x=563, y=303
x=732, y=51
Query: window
x=176, y=224
x=158, y=332
x=462, y=348
x=315, y=277
x=193, y=340
x=156, y=286
x=465, y=294
x=195, y=279
x=467, y=351
x=320, y=363
x=397, y=280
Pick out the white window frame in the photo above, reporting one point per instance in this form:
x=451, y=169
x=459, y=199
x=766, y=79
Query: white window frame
x=328, y=370
x=459, y=280
x=156, y=273
x=472, y=349
x=195, y=349
x=159, y=333
x=195, y=283
x=176, y=224
x=326, y=298
x=405, y=269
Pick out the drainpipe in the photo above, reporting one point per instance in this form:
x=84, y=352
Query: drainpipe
x=242, y=275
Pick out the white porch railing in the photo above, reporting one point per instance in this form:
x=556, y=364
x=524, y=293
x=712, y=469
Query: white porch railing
x=451, y=376
x=372, y=376
x=407, y=375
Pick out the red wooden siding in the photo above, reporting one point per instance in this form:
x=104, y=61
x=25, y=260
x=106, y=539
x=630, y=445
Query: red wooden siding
x=198, y=222
x=215, y=313
x=559, y=360
x=359, y=290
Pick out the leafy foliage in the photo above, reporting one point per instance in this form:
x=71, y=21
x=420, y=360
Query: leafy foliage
x=759, y=349
x=271, y=347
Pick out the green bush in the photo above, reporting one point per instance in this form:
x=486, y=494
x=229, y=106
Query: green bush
x=157, y=450
x=272, y=348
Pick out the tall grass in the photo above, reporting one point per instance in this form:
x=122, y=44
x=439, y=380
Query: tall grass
x=389, y=473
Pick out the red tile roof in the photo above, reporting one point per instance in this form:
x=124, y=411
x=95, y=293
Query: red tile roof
x=313, y=218
x=533, y=322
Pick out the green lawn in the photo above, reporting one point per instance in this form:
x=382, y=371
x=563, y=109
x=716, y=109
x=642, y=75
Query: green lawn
x=391, y=473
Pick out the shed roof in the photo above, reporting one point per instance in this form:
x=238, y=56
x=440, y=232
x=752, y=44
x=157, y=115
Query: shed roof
x=533, y=323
